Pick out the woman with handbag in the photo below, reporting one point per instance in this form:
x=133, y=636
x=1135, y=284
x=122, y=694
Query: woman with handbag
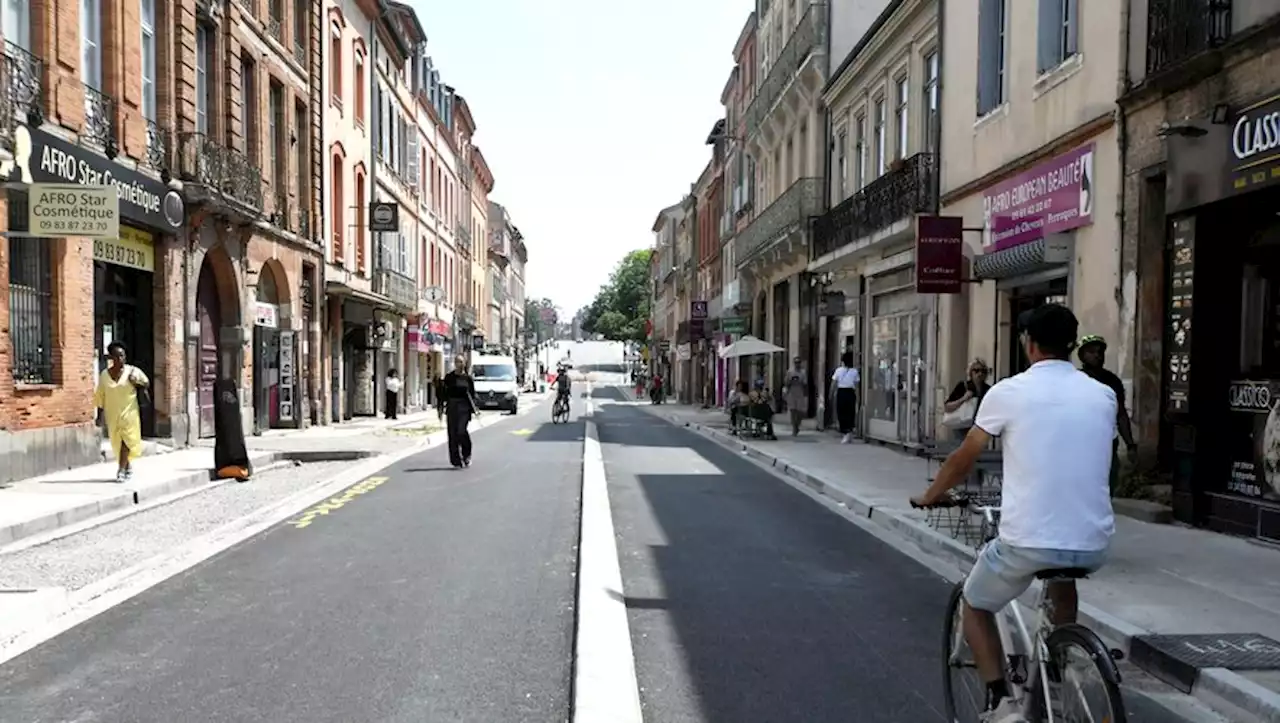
x=121, y=389
x=962, y=406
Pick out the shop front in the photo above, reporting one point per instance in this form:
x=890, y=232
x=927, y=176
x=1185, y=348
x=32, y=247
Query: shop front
x=129, y=305
x=276, y=352
x=1221, y=359
x=896, y=369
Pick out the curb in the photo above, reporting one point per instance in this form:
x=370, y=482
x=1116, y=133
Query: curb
x=1221, y=689
x=130, y=501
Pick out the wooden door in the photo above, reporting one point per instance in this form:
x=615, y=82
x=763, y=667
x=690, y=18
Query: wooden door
x=208, y=314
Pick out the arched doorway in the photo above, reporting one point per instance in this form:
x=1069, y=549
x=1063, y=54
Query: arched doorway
x=274, y=358
x=209, y=316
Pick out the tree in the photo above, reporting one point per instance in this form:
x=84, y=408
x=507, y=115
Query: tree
x=533, y=317
x=621, y=308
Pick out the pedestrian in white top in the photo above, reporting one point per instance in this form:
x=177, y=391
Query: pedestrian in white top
x=1057, y=425
x=844, y=394
x=393, y=394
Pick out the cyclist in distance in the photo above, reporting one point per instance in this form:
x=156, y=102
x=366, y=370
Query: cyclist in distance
x=563, y=384
x=1056, y=425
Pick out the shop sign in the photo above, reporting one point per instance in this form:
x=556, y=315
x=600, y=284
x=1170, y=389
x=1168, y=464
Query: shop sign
x=433, y=294
x=413, y=337
x=831, y=303
x=384, y=216
x=1255, y=147
x=42, y=157
x=134, y=249
x=697, y=309
x=266, y=315
x=1181, y=296
x=59, y=210
x=286, y=375
x=1052, y=197
x=939, y=254
x=436, y=326
x=684, y=352
x=734, y=325
x=1255, y=438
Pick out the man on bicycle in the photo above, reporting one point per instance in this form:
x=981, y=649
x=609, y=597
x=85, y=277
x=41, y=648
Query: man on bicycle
x=563, y=384
x=1057, y=425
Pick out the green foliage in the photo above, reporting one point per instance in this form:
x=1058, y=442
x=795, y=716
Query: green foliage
x=533, y=317
x=621, y=308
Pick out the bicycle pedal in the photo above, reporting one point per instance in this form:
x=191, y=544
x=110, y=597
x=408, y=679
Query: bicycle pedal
x=1117, y=654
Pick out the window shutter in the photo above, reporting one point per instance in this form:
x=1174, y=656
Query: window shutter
x=988, y=54
x=413, y=158
x=1048, y=35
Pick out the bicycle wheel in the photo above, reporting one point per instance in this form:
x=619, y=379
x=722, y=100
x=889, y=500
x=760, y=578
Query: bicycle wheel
x=962, y=686
x=1077, y=648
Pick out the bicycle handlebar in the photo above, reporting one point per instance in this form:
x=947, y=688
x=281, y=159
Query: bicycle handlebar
x=988, y=511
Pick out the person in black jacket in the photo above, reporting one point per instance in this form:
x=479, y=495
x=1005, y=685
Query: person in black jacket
x=458, y=403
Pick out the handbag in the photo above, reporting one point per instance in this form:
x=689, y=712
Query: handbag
x=962, y=416
x=143, y=393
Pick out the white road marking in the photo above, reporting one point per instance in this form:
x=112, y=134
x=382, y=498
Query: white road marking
x=604, y=671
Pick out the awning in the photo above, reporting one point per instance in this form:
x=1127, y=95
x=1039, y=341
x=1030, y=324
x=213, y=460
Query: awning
x=1023, y=259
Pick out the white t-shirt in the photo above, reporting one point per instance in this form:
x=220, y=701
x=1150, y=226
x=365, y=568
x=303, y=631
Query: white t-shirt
x=393, y=385
x=846, y=378
x=1057, y=424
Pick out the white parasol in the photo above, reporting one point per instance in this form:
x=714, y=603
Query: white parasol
x=749, y=346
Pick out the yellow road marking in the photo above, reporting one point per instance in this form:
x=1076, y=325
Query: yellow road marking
x=336, y=502
x=523, y=432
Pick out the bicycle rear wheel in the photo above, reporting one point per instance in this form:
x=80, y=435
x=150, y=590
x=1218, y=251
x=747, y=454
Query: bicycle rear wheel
x=962, y=685
x=1077, y=648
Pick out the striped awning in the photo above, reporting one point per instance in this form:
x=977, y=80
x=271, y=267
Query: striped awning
x=1017, y=260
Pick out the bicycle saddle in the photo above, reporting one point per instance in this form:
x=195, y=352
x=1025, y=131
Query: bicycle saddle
x=1063, y=573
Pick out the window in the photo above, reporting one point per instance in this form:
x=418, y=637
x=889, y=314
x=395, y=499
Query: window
x=360, y=210
x=204, y=87
x=339, y=214
x=301, y=16
x=901, y=118
x=879, y=138
x=301, y=152
x=357, y=77
x=91, y=43
x=860, y=152
x=249, y=109
x=842, y=141
x=30, y=300
x=279, y=143
x=991, y=54
x=15, y=24
x=335, y=65
x=931, y=102
x=1056, y=39
x=148, y=18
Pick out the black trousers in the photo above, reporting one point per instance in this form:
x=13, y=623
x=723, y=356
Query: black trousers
x=392, y=405
x=846, y=408
x=457, y=418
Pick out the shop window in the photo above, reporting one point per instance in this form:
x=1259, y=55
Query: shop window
x=30, y=302
x=357, y=77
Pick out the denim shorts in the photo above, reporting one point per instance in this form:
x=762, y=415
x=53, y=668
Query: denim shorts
x=1003, y=572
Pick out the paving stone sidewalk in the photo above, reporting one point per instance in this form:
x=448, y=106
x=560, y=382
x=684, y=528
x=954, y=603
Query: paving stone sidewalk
x=1160, y=579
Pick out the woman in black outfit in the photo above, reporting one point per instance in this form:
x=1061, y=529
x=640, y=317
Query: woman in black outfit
x=973, y=387
x=458, y=403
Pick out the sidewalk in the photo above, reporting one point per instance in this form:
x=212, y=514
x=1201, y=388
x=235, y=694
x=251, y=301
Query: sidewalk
x=1160, y=579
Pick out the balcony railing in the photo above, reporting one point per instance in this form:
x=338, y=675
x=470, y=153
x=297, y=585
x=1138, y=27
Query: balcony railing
x=901, y=192
x=462, y=233
x=810, y=35
x=789, y=211
x=157, y=146
x=1180, y=29
x=400, y=289
x=21, y=91
x=204, y=161
x=100, y=120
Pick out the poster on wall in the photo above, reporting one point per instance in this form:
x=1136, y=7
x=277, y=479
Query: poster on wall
x=287, y=380
x=1181, y=295
x=1255, y=439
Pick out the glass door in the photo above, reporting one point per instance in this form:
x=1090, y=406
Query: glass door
x=882, y=379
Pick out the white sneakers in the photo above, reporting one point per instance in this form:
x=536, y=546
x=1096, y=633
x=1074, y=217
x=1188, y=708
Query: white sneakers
x=1006, y=712
x=846, y=439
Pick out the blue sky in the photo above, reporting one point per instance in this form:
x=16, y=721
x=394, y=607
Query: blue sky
x=592, y=115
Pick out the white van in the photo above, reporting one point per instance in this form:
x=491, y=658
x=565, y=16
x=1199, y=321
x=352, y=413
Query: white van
x=495, y=377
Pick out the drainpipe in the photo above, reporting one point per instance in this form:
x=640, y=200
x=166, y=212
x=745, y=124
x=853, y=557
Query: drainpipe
x=1122, y=80
x=936, y=376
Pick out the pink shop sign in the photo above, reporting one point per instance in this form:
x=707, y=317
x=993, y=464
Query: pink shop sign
x=1055, y=196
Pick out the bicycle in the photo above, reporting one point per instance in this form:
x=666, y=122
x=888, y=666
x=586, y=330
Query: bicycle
x=560, y=410
x=1037, y=662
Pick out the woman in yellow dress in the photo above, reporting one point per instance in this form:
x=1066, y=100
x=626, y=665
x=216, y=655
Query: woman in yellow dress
x=117, y=396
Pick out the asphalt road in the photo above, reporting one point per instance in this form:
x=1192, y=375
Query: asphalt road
x=435, y=595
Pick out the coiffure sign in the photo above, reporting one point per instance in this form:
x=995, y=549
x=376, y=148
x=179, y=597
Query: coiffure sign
x=1255, y=146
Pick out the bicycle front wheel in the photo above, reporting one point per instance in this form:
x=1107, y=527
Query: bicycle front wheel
x=1084, y=682
x=962, y=685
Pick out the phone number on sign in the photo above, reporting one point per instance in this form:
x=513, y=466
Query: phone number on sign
x=72, y=226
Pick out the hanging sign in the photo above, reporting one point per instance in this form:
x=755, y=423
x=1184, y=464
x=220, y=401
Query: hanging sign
x=267, y=315
x=61, y=210
x=939, y=254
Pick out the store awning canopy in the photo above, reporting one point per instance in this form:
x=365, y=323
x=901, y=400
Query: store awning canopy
x=1024, y=259
x=749, y=346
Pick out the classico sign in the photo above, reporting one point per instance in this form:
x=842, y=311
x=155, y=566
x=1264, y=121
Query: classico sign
x=1255, y=147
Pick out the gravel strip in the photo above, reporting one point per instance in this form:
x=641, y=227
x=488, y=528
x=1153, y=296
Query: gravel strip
x=78, y=560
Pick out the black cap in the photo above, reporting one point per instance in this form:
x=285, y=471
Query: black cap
x=1052, y=327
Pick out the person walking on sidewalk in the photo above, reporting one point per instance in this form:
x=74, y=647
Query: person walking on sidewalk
x=393, y=385
x=844, y=392
x=1093, y=355
x=796, y=389
x=119, y=387
x=961, y=406
x=458, y=405
x=1057, y=426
